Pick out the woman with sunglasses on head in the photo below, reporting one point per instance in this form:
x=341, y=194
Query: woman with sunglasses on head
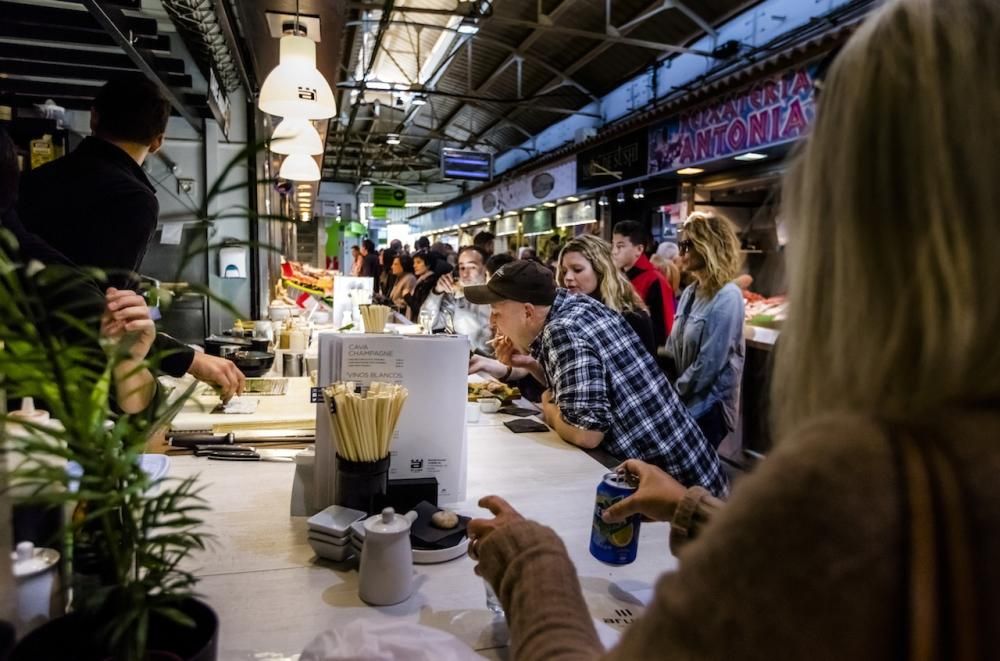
x=872, y=530
x=706, y=342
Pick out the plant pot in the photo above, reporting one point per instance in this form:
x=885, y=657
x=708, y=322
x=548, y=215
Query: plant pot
x=66, y=638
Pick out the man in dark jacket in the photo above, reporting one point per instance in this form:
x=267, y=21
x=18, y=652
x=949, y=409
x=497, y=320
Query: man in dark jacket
x=96, y=207
x=369, y=260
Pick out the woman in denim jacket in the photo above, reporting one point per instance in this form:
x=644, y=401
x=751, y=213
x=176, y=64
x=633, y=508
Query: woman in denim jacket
x=706, y=342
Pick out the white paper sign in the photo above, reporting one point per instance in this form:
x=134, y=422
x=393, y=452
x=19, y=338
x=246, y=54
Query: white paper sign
x=430, y=438
x=171, y=233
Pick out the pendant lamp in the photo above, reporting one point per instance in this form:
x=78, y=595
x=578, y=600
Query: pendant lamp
x=296, y=136
x=299, y=167
x=295, y=88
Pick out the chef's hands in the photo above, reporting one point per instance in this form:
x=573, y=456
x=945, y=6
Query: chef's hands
x=480, y=529
x=656, y=498
x=127, y=316
x=220, y=372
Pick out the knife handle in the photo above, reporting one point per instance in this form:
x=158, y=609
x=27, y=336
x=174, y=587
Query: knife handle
x=191, y=440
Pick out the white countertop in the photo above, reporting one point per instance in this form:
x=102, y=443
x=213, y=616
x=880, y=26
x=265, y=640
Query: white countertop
x=273, y=595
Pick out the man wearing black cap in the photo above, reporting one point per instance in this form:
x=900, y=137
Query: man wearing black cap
x=603, y=386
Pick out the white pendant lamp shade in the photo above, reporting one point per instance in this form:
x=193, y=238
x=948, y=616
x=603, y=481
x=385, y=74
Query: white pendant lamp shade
x=299, y=167
x=295, y=88
x=296, y=136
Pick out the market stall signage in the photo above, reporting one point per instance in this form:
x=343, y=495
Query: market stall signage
x=542, y=185
x=577, y=213
x=610, y=162
x=380, y=212
x=386, y=196
x=506, y=226
x=772, y=111
x=537, y=222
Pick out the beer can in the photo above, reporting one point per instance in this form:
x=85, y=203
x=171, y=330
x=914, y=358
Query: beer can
x=614, y=543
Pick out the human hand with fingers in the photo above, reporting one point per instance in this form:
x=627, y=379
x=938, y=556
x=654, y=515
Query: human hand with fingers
x=656, y=498
x=480, y=529
x=220, y=372
x=508, y=354
x=127, y=316
x=445, y=285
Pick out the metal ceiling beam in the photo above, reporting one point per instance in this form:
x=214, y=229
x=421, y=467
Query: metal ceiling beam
x=85, y=58
x=527, y=102
x=593, y=54
x=483, y=39
x=68, y=35
x=598, y=36
x=115, y=24
x=19, y=67
x=525, y=44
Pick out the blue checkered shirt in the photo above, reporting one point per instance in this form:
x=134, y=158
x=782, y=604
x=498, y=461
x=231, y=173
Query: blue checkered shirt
x=602, y=379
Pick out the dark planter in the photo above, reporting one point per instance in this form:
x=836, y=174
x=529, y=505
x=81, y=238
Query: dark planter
x=67, y=638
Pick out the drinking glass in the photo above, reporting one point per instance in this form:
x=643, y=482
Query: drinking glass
x=492, y=601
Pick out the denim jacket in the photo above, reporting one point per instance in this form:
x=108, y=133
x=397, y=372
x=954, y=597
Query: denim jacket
x=707, y=347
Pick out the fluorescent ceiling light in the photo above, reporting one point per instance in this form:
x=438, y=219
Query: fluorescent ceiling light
x=378, y=85
x=468, y=26
x=392, y=139
x=572, y=198
x=366, y=182
x=549, y=204
x=750, y=156
x=690, y=171
x=419, y=99
x=528, y=209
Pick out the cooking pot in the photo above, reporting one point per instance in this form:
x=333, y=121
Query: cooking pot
x=252, y=363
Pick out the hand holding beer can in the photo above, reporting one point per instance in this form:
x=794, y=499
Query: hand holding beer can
x=614, y=543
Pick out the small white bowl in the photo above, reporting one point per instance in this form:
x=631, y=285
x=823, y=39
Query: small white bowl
x=489, y=404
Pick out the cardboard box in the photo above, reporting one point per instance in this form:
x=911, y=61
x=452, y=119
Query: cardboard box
x=430, y=439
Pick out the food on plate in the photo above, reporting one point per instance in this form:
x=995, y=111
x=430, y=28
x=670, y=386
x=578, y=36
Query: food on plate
x=444, y=519
x=496, y=389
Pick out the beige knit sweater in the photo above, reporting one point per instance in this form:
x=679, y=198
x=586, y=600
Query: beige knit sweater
x=804, y=562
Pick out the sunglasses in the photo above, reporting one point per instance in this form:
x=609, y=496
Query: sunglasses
x=685, y=246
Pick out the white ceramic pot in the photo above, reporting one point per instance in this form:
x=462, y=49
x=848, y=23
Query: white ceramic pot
x=39, y=596
x=387, y=559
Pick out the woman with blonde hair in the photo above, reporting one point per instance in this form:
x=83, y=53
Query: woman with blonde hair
x=871, y=531
x=706, y=341
x=670, y=271
x=585, y=267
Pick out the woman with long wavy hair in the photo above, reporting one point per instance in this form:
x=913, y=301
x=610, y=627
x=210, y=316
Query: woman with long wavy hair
x=872, y=530
x=706, y=341
x=585, y=267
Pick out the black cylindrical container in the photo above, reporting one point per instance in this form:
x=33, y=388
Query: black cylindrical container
x=361, y=485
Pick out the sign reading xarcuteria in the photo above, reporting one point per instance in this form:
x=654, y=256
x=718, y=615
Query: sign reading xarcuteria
x=775, y=110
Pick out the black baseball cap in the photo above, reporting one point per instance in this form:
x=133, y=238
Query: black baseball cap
x=522, y=280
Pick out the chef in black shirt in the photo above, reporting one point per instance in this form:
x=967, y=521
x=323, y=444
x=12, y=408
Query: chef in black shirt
x=96, y=207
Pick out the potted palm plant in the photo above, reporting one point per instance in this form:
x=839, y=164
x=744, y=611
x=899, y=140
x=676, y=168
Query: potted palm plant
x=135, y=598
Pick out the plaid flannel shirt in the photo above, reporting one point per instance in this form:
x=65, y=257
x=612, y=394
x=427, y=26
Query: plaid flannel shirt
x=602, y=379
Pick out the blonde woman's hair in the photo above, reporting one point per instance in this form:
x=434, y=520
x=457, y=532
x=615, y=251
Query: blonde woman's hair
x=668, y=269
x=893, y=204
x=614, y=288
x=715, y=240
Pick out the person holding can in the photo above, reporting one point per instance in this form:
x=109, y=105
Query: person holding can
x=871, y=531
